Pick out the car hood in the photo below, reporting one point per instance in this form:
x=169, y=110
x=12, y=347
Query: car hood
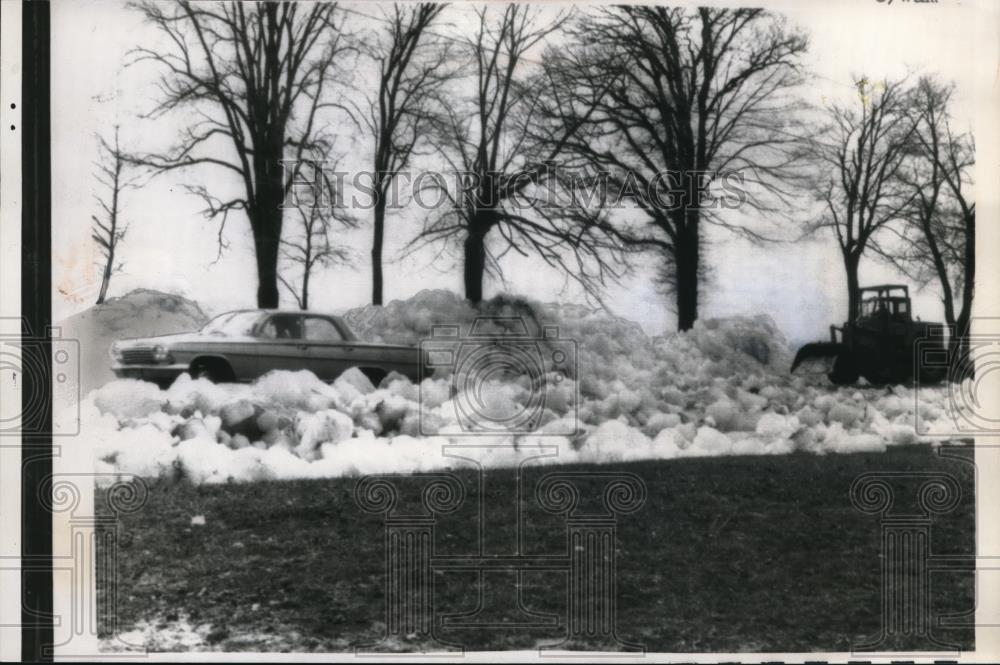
x=380, y=345
x=181, y=338
x=203, y=338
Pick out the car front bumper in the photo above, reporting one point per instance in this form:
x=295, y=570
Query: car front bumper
x=161, y=374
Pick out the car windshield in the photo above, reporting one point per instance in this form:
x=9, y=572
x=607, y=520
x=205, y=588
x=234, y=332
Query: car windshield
x=232, y=323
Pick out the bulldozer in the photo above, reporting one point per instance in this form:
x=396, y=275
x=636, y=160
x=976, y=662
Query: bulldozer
x=881, y=344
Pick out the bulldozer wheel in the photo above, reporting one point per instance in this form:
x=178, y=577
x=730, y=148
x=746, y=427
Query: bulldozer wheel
x=845, y=370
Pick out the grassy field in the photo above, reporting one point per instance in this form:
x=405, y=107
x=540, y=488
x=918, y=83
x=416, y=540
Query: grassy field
x=727, y=554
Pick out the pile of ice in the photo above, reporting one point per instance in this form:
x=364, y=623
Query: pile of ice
x=719, y=389
x=139, y=313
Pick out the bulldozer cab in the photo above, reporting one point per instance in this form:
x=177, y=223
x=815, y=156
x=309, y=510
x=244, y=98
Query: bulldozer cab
x=884, y=307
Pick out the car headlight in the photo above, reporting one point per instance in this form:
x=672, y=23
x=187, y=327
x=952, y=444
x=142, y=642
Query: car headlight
x=116, y=352
x=161, y=354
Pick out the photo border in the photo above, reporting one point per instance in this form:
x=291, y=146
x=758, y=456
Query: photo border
x=36, y=297
x=37, y=617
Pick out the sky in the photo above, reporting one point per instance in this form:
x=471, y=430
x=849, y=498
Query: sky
x=171, y=247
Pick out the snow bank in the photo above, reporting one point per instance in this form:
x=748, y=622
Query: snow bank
x=139, y=313
x=721, y=388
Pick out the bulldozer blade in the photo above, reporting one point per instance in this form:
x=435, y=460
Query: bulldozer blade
x=817, y=351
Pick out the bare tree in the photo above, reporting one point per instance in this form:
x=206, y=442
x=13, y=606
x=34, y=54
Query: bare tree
x=936, y=239
x=311, y=247
x=665, y=103
x=488, y=140
x=254, y=75
x=859, y=158
x=958, y=161
x=412, y=70
x=108, y=229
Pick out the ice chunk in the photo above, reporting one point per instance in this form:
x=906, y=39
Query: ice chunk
x=193, y=428
x=660, y=421
x=401, y=386
x=356, y=379
x=330, y=426
x=560, y=395
x=838, y=440
x=248, y=466
x=392, y=411
x=268, y=420
x=187, y=395
x=809, y=416
x=236, y=413
x=129, y=398
x=145, y=451
x=281, y=464
x=665, y=444
x=434, y=392
x=749, y=446
x=616, y=441
x=708, y=442
x=899, y=434
x=203, y=461
x=300, y=390
x=845, y=414
x=725, y=414
x=773, y=425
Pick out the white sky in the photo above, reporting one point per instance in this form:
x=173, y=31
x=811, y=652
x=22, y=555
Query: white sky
x=171, y=247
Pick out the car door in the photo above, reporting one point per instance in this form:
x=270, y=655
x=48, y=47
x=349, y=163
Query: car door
x=282, y=344
x=329, y=353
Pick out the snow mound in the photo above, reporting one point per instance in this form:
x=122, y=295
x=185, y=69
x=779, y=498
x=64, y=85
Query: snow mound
x=139, y=313
x=721, y=388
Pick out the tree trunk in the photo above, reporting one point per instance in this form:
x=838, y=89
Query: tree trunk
x=959, y=342
x=969, y=279
x=267, y=270
x=377, y=239
x=940, y=267
x=475, y=264
x=686, y=260
x=851, y=262
x=958, y=345
x=112, y=238
x=948, y=302
x=304, y=303
x=106, y=279
x=266, y=224
x=268, y=215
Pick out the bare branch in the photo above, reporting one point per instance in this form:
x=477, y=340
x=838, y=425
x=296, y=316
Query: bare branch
x=107, y=229
x=255, y=75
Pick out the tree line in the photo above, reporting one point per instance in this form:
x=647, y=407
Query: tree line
x=521, y=105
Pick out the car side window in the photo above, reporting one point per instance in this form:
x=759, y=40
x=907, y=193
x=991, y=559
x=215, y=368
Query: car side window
x=282, y=326
x=321, y=330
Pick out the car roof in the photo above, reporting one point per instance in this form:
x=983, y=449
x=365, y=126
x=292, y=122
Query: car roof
x=299, y=312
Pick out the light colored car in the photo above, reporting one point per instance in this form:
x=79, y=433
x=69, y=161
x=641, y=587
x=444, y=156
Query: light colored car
x=245, y=344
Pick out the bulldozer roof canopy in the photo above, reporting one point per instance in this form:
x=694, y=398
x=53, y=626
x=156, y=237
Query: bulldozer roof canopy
x=885, y=288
